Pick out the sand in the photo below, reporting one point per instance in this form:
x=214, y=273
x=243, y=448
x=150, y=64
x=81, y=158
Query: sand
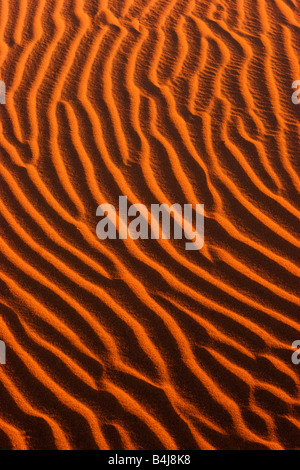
x=124, y=344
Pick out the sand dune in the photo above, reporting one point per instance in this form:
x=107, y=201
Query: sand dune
x=124, y=344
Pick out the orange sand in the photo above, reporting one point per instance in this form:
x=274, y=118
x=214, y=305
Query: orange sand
x=143, y=345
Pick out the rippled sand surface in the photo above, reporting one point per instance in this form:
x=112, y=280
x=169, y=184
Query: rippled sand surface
x=124, y=344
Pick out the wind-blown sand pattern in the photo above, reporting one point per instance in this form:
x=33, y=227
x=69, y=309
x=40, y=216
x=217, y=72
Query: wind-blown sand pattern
x=126, y=344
